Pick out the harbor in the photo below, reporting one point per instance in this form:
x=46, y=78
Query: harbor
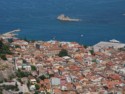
x=10, y=34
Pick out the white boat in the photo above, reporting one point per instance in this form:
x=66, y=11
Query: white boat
x=123, y=14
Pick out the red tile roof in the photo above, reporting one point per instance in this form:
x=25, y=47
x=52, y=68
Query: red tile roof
x=57, y=91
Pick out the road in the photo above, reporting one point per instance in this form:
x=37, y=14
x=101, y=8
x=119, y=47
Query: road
x=7, y=83
x=22, y=88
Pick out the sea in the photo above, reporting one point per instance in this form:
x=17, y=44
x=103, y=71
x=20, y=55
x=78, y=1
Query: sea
x=101, y=20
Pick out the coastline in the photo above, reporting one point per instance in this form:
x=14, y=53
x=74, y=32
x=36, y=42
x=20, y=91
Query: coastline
x=95, y=26
x=11, y=34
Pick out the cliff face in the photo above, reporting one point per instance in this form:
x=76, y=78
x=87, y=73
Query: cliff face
x=6, y=70
x=6, y=74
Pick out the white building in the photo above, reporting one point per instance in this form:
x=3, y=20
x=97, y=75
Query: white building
x=104, y=45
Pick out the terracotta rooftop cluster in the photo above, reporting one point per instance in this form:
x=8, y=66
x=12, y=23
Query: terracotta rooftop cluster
x=79, y=73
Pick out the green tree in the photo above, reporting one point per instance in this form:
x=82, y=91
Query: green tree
x=22, y=74
x=42, y=77
x=37, y=86
x=92, y=52
x=63, y=52
x=38, y=80
x=28, y=83
x=16, y=85
x=19, y=79
x=3, y=57
x=17, y=46
x=27, y=93
x=85, y=46
x=1, y=44
x=33, y=68
x=121, y=49
x=1, y=81
x=1, y=92
x=94, y=60
x=4, y=49
x=36, y=92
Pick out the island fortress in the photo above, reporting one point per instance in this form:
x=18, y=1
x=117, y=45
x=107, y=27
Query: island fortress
x=62, y=17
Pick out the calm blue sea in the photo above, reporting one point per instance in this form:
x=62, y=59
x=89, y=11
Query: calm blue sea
x=102, y=20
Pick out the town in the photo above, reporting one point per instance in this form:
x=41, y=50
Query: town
x=54, y=67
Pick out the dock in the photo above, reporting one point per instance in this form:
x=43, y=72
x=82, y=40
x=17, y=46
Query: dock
x=10, y=34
